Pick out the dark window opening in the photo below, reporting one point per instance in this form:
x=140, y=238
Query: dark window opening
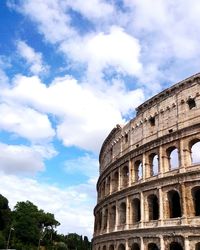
x=175, y=246
x=152, y=246
x=122, y=214
x=111, y=247
x=196, y=201
x=197, y=246
x=174, y=204
x=115, y=182
x=126, y=138
x=153, y=207
x=170, y=130
x=104, y=247
x=121, y=247
x=125, y=176
x=111, y=152
x=112, y=217
x=191, y=103
x=105, y=219
x=152, y=121
x=136, y=210
x=135, y=246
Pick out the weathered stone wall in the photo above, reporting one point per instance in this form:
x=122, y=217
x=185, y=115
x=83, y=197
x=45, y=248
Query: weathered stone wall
x=149, y=184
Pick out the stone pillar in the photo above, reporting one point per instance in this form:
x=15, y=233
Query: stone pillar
x=141, y=243
x=143, y=167
x=119, y=181
x=186, y=244
x=161, y=206
x=108, y=220
x=126, y=245
x=162, y=244
x=142, y=208
x=162, y=162
x=127, y=212
x=130, y=172
x=117, y=216
x=184, y=204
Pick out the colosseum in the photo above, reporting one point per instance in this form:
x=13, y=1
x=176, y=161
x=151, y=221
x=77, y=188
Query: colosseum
x=149, y=183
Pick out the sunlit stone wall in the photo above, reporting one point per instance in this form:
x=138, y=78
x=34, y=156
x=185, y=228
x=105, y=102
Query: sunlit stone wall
x=149, y=183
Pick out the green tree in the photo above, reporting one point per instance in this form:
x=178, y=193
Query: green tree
x=5, y=213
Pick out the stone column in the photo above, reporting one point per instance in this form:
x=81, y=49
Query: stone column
x=117, y=216
x=184, y=205
x=161, y=162
x=186, y=244
x=162, y=244
x=141, y=243
x=142, y=207
x=130, y=172
x=126, y=245
x=161, y=206
x=119, y=181
x=127, y=212
x=143, y=166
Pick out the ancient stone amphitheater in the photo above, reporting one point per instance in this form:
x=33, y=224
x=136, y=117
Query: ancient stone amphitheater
x=149, y=183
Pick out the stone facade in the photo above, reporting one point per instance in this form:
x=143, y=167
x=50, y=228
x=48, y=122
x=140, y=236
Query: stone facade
x=149, y=183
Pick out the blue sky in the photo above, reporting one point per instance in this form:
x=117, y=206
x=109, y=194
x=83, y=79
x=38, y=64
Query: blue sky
x=70, y=70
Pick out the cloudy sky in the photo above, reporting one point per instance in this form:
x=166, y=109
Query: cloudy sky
x=70, y=70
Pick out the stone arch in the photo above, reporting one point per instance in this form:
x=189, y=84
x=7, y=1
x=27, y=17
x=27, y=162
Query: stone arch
x=111, y=247
x=196, y=200
x=136, y=213
x=173, y=158
x=175, y=246
x=152, y=246
x=125, y=176
x=108, y=186
x=154, y=164
x=135, y=246
x=197, y=246
x=122, y=213
x=112, y=217
x=115, y=181
x=138, y=170
x=103, y=189
x=194, y=147
x=105, y=219
x=174, y=204
x=153, y=207
x=104, y=247
x=121, y=246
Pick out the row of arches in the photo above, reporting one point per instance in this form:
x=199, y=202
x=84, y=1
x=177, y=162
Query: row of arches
x=134, y=172
x=151, y=246
x=117, y=215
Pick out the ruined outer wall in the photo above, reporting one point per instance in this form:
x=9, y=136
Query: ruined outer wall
x=167, y=122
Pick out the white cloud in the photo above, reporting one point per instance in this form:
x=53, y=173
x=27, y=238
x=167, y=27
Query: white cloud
x=25, y=122
x=84, y=114
x=72, y=206
x=102, y=50
x=21, y=159
x=33, y=59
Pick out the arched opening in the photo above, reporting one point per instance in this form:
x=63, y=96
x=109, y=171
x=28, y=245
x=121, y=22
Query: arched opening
x=104, y=247
x=103, y=189
x=108, y=186
x=154, y=166
x=152, y=246
x=173, y=158
x=115, y=181
x=105, y=219
x=111, y=247
x=136, y=216
x=197, y=246
x=112, y=219
x=122, y=213
x=135, y=246
x=175, y=246
x=138, y=170
x=196, y=200
x=121, y=247
x=191, y=103
x=125, y=176
x=174, y=204
x=195, y=152
x=153, y=207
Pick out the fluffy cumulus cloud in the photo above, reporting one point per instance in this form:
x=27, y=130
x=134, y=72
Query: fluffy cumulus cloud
x=84, y=115
x=66, y=203
x=21, y=159
x=33, y=59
